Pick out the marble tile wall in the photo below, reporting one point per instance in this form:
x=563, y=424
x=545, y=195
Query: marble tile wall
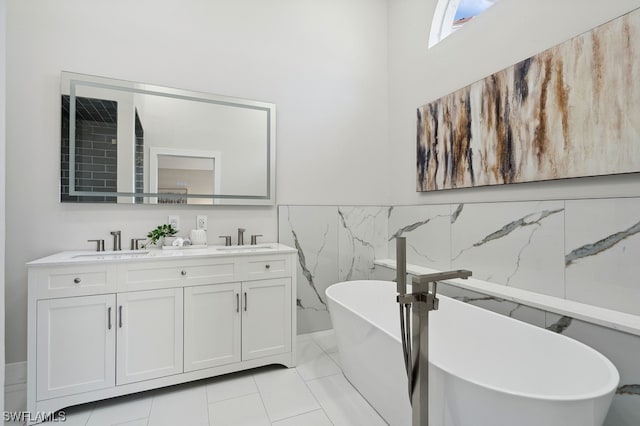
x=620, y=348
x=428, y=234
x=335, y=243
x=602, y=253
x=582, y=250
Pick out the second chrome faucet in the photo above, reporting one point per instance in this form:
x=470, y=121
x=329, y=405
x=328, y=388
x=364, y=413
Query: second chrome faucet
x=241, y=231
x=117, y=241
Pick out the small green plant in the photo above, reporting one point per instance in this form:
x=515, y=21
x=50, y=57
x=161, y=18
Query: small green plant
x=161, y=231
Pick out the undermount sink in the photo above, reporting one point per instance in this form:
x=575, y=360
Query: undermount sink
x=256, y=247
x=124, y=254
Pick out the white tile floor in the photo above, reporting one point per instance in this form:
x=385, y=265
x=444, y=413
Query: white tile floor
x=315, y=393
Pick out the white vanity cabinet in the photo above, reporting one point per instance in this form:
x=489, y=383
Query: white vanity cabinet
x=265, y=318
x=149, y=337
x=212, y=325
x=76, y=341
x=100, y=327
x=227, y=323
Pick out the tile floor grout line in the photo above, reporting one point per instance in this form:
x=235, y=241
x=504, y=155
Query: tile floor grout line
x=150, y=406
x=131, y=421
x=304, y=414
x=89, y=418
x=324, y=351
x=316, y=399
x=231, y=397
x=319, y=345
x=305, y=383
x=264, y=407
x=153, y=398
x=206, y=394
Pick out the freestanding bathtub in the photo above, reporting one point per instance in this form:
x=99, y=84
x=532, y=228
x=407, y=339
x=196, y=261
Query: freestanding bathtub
x=485, y=368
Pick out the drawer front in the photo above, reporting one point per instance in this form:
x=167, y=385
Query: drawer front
x=261, y=267
x=150, y=275
x=74, y=280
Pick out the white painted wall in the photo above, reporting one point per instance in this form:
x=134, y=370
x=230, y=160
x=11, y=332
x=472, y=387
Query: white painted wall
x=2, y=192
x=323, y=63
x=239, y=134
x=508, y=32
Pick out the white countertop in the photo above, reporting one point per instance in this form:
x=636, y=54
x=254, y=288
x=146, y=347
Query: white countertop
x=87, y=256
x=593, y=314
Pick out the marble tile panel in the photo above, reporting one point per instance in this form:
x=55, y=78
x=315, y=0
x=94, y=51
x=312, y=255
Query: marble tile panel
x=602, y=252
x=557, y=323
x=500, y=306
x=362, y=237
x=313, y=231
x=383, y=273
x=517, y=244
x=622, y=350
x=427, y=229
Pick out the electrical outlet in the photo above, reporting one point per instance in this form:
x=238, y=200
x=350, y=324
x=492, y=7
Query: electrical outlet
x=201, y=222
x=174, y=221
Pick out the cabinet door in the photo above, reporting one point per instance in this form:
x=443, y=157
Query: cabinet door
x=149, y=335
x=75, y=345
x=211, y=325
x=266, y=317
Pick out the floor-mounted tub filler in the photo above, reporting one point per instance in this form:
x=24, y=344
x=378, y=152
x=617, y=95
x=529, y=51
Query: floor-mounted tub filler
x=484, y=369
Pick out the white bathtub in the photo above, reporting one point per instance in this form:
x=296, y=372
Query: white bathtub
x=485, y=368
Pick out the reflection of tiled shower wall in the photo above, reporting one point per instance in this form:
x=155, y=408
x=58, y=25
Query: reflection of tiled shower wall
x=95, y=155
x=582, y=250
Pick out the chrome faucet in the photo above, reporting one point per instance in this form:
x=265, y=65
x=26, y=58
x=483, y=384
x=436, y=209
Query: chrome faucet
x=117, y=245
x=415, y=343
x=135, y=243
x=241, y=236
x=99, y=244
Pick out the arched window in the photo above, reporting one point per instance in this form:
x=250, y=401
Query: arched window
x=450, y=15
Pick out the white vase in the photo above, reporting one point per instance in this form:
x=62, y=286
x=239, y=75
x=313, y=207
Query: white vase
x=168, y=241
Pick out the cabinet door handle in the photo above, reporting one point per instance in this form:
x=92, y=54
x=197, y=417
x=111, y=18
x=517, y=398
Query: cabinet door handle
x=183, y=273
x=76, y=280
x=237, y=302
x=245, y=301
x=109, y=317
x=267, y=266
x=120, y=316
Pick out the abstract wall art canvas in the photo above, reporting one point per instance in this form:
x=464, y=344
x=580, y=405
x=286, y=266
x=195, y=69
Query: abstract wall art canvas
x=570, y=111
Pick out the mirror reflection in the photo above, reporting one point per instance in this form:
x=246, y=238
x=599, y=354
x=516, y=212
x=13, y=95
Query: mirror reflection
x=138, y=143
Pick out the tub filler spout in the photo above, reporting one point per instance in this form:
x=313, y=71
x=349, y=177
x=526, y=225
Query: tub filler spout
x=415, y=343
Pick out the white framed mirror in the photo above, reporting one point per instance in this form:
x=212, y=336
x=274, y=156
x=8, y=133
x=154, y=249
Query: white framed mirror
x=133, y=143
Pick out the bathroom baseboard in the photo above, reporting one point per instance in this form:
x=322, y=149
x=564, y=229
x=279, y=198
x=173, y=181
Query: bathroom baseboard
x=15, y=373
